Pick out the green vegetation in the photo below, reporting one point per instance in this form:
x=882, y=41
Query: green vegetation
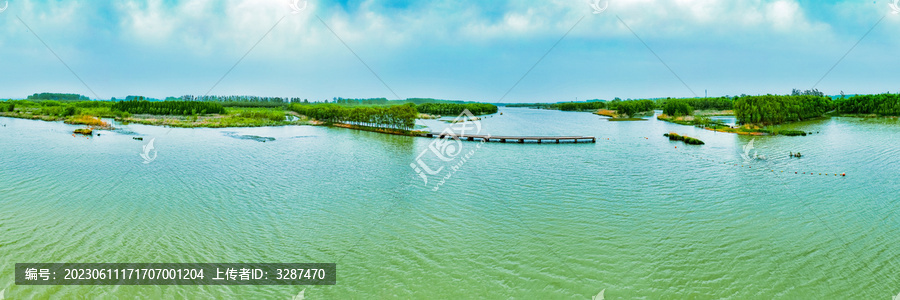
x=531, y=105
x=234, y=117
x=792, y=132
x=89, y=112
x=254, y=104
x=234, y=99
x=394, y=117
x=7, y=107
x=882, y=105
x=699, y=121
x=52, y=110
x=678, y=108
x=446, y=109
x=182, y=108
x=386, y=102
x=777, y=109
x=84, y=131
x=58, y=97
x=686, y=106
x=632, y=107
x=686, y=139
x=579, y=106
x=241, y=111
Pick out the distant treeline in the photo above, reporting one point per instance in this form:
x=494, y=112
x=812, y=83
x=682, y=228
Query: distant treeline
x=578, y=106
x=254, y=104
x=720, y=103
x=777, y=109
x=396, y=117
x=446, y=109
x=58, y=97
x=254, y=99
x=169, y=107
x=563, y=106
x=883, y=104
x=529, y=105
x=385, y=101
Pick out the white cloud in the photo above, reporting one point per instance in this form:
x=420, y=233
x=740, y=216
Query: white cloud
x=203, y=38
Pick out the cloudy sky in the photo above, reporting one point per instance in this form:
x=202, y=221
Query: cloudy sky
x=460, y=49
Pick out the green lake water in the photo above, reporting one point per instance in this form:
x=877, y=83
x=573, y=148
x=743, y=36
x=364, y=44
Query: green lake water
x=634, y=214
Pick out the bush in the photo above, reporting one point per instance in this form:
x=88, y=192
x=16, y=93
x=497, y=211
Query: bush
x=678, y=108
x=631, y=107
x=7, y=107
x=793, y=133
x=686, y=139
x=58, y=111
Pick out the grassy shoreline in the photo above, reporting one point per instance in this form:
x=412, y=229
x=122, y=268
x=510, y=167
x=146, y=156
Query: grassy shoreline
x=746, y=129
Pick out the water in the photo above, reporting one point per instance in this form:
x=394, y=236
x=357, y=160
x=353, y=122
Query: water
x=631, y=214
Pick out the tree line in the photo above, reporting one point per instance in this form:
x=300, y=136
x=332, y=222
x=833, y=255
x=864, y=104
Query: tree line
x=385, y=101
x=236, y=98
x=445, y=109
x=58, y=97
x=708, y=103
x=579, y=106
x=677, y=108
x=632, y=107
x=169, y=107
x=395, y=117
x=882, y=104
x=777, y=109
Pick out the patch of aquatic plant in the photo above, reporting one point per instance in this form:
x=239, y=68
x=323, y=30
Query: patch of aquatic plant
x=261, y=139
x=686, y=139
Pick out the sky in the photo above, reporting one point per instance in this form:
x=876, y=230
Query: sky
x=490, y=51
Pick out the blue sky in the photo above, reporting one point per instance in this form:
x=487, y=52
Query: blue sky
x=463, y=49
